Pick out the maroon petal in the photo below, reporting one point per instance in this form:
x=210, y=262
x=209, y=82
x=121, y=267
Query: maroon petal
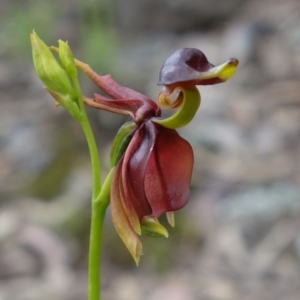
x=139, y=106
x=133, y=170
x=127, y=205
x=139, y=110
x=120, y=219
x=168, y=172
x=108, y=85
x=117, y=91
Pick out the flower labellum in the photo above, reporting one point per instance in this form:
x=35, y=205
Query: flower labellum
x=190, y=67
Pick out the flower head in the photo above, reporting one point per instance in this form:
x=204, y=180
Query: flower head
x=153, y=164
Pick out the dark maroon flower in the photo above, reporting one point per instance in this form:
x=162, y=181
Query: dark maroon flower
x=153, y=164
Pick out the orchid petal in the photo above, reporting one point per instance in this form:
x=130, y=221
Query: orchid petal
x=168, y=172
x=128, y=207
x=120, y=219
x=108, y=85
x=138, y=109
x=133, y=170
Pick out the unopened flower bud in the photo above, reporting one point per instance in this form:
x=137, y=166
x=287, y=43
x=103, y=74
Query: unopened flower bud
x=54, y=76
x=67, y=59
x=48, y=69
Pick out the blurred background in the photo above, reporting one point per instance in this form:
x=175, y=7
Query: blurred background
x=239, y=236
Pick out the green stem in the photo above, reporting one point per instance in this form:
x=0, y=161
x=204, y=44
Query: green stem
x=95, y=161
x=97, y=215
x=100, y=201
x=99, y=207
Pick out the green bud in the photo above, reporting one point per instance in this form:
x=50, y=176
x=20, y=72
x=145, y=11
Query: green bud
x=54, y=76
x=49, y=70
x=151, y=227
x=121, y=142
x=67, y=59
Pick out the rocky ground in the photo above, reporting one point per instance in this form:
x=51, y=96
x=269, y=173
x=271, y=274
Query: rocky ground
x=239, y=236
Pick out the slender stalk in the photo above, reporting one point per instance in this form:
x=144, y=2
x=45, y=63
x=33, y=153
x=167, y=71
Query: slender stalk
x=99, y=207
x=95, y=161
x=100, y=201
x=97, y=216
x=98, y=210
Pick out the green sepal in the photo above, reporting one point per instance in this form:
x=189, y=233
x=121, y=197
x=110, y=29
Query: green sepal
x=68, y=104
x=121, y=142
x=151, y=227
x=190, y=103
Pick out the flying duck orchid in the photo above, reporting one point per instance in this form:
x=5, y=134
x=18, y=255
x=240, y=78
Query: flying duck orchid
x=151, y=163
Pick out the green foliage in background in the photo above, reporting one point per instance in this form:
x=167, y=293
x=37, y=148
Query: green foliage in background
x=87, y=25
